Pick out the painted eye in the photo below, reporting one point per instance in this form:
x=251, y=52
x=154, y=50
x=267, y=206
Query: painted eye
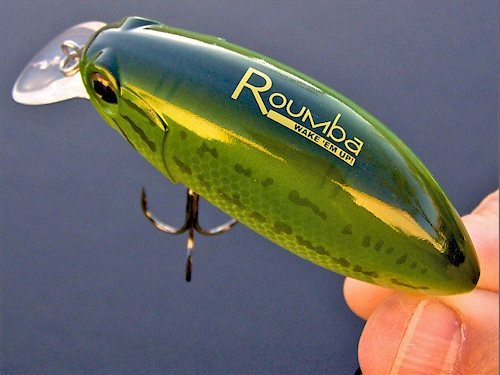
x=103, y=88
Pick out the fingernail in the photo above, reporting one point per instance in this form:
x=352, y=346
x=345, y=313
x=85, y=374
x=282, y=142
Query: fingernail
x=431, y=342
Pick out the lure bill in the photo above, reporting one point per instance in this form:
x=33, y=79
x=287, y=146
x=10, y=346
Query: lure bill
x=278, y=151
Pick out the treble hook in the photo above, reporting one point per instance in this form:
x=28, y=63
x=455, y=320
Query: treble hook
x=191, y=224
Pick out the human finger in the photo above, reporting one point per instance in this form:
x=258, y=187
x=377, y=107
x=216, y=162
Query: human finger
x=414, y=334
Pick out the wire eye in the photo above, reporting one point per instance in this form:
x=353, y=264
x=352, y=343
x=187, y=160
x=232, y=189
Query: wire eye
x=103, y=88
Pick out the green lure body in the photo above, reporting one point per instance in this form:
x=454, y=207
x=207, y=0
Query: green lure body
x=282, y=153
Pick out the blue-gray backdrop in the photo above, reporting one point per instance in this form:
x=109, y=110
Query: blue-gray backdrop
x=89, y=286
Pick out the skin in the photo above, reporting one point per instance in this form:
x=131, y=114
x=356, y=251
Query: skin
x=408, y=333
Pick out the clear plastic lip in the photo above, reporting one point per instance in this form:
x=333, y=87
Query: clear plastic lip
x=42, y=82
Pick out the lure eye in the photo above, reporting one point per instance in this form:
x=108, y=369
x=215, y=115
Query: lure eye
x=103, y=88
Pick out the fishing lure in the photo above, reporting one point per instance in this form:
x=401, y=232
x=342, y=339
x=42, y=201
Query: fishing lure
x=278, y=151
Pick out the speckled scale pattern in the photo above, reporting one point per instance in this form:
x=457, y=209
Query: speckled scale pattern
x=381, y=218
x=293, y=220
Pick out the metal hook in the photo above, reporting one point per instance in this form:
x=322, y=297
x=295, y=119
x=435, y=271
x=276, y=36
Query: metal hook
x=72, y=53
x=191, y=224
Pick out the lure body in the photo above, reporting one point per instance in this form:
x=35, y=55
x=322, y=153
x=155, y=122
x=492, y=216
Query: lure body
x=282, y=153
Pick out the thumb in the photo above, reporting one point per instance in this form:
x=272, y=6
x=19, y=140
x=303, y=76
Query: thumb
x=425, y=337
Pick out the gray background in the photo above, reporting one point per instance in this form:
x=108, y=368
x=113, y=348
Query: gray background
x=89, y=286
